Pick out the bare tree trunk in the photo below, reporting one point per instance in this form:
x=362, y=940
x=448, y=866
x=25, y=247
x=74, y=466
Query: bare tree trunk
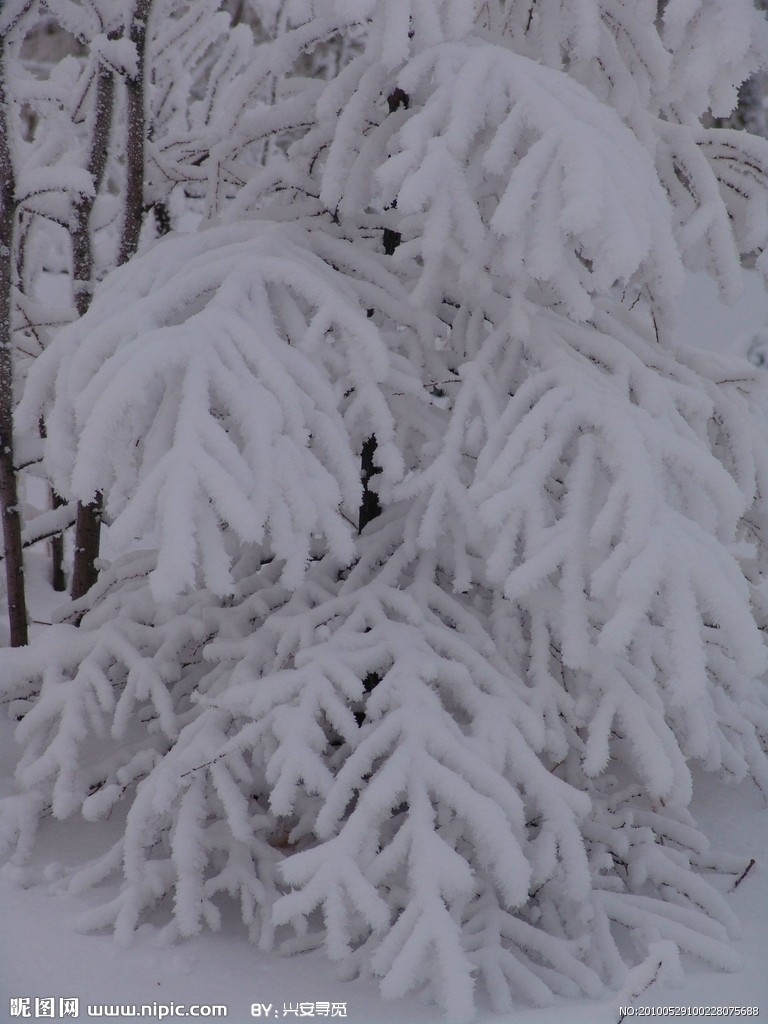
x=88, y=522
x=88, y=526
x=137, y=132
x=82, y=252
x=9, y=495
x=370, y=507
x=58, y=576
x=87, y=546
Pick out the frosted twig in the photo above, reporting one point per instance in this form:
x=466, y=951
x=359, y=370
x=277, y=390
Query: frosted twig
x=743, y=874
x=644, y=988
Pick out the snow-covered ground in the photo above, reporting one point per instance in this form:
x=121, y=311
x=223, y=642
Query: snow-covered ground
x=41, y=954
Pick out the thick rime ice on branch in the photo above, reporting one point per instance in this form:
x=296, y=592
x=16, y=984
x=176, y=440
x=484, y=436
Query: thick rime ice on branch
x=217, y=365
x=452, y=742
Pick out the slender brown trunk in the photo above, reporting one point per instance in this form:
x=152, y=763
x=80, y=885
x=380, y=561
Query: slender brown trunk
x=87, y=546
x=137, y=131
x=88, y=522
x=370, y=507
x=9, y=495
x=82, y=252
x=88, y=525
x=58, y=576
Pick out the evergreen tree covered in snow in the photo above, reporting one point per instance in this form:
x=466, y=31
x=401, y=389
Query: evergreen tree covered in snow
x=752, y=110
x=435, y=563
x=114, y=131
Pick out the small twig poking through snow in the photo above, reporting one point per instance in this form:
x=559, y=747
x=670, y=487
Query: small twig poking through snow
x=663, y=959
x=743, y=875
x=639, y=992
x=197, y=767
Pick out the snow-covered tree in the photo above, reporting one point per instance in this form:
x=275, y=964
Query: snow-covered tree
x=751, y=112
x=436, y=564
x=117, y=118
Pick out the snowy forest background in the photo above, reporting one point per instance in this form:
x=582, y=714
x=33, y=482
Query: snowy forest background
x=409, y=567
